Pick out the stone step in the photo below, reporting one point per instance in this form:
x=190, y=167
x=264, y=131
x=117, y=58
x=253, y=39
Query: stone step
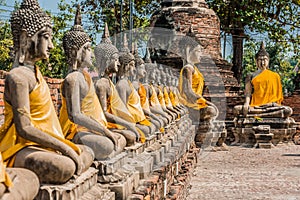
x=111, y=165
x=97, y=192
x=123, y=189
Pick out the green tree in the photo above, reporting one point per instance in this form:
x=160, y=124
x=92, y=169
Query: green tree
x=6, y=45
x=279, y=19
x=100, y=11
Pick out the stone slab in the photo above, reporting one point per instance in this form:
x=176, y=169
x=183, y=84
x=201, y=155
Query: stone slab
x=111, y=165
x=124, y=188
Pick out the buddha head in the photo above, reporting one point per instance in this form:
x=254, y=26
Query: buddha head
x=170, y=77
x=149, y=67
x=163, y=75
x=262, y=58
x=127, y=61
x=32, y=33
x=77, y=45
x=107, y=55
x=189, y=47
x=139, y=64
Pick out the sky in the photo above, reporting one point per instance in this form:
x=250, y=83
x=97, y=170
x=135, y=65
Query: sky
x=45, y=4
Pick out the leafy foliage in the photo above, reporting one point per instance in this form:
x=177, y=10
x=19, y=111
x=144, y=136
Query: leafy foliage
x=278, y=19
x=6, y=45
x=100, y=11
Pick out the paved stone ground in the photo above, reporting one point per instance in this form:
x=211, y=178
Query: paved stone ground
x=245, y=173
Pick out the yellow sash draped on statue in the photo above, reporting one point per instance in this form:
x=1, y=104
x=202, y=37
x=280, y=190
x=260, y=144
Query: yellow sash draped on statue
x=154, y=102
x=167, y=98
x=143, y=96
x=42, y=116
x=134, y=105
x=90, y=106
x=197, y=87
x=266, y=88
x=116, y=107
x=4, y=178
x=161, y=98
x=174, y=99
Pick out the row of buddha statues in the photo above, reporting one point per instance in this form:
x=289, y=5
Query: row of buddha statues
x=97, y=119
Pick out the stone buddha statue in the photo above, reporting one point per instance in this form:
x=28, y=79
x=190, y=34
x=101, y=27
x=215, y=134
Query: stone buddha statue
x=31, y=136
x=140, y=74
x=191, y=85
x=81, y=116
x=127, y=92
x=171, y=80
x=154, y=104
x=263, y=91
x=155, y=78
x=116, y=112
x=166, y=90
x=262, y=107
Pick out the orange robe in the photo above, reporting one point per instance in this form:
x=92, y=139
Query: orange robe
x=135, y=108
x=161, y=98
x=167, y=98
x=143, y=96
x=154, y=102
x=197, y=87
x=42, y=116
x=116, y=107
x=267, y=88
x=90, y=106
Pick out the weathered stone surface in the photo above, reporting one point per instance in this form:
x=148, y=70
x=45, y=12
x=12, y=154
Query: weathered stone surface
x=73, y=189
x=282, y=129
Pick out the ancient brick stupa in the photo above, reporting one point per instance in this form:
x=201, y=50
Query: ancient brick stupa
x=180, y=15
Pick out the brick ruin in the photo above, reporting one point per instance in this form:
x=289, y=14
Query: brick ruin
x=222, y=87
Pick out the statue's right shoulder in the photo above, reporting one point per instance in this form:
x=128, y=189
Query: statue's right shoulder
x=21, y=74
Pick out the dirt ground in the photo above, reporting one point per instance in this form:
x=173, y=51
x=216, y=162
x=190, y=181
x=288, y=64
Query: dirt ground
x=245, y=173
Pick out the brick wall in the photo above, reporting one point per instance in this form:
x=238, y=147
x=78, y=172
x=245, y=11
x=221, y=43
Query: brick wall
x=294, y=102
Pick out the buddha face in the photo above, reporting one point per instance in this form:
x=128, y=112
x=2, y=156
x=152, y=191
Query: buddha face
x=40, y=44
x=163, y=78
x=113, y=63
x=173, y=81
x=195, y=55
x=262, y=62
x=141, y=72
x=158, y=76
x=151, y=75
x=87, y=55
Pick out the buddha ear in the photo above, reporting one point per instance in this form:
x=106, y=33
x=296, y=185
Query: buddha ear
x=23, y=46
x=75, y=55
x=187, y=52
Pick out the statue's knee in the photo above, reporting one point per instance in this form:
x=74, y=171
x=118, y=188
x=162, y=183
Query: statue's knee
x=288, y=111
x=103, y=148
x=51, y=168
x=122, y=142
x=87, y=155
x=26, y=183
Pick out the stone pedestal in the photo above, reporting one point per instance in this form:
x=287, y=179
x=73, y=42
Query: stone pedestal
x=75, y=188
x=282, y=129
x=263, y=137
